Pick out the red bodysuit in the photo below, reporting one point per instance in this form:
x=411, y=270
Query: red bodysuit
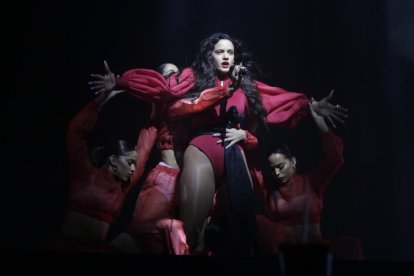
x=207, y=120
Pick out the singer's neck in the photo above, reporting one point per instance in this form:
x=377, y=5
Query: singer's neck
x=223, y=76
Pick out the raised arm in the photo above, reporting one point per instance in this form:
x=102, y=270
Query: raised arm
x=145, y=142
x=332, y=147
x=79, y=129
x=145, y=84
x=104, y=83
x=333, y=113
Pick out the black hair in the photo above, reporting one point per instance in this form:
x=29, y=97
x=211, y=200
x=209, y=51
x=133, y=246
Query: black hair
x=161, y=67
x=281, y=149
x=100, y=154
x=205, y=72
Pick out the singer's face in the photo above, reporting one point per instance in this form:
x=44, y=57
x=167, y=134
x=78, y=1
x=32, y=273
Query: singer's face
x=223, y=54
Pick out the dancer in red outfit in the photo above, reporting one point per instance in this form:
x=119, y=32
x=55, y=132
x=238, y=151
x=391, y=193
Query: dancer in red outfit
x=161, y=180
x=218, y=111
x=97, y=188
x=153, y=227
x=295, y=201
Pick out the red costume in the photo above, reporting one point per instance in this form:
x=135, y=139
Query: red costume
x=94, y=191
x=301, y=200
x=308, y=188
x=152, y=225
x=282, y=107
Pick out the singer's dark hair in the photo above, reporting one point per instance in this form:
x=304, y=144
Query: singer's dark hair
x=205, y=72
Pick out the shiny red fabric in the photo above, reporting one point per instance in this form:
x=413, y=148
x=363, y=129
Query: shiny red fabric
x=149, y=85
x=282, y=107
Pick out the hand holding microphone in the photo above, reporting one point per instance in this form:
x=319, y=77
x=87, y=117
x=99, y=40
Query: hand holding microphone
x=243, y=71
x=237, y=73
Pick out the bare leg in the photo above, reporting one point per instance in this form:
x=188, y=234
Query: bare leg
x=196, y=188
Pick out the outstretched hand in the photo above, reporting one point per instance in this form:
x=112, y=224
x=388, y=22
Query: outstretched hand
x=319, y=120
x=105, y=83
x=333, y=113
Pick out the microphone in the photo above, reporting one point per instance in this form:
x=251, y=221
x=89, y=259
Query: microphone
x=243, y=71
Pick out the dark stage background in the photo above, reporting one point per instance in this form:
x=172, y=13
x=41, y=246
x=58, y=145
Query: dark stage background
x=362, y=49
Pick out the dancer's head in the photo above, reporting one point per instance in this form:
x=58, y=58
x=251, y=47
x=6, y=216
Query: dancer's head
x=119, y=156
x=282, y=163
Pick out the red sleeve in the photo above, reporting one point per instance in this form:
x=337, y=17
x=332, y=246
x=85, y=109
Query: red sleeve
x=207, y=98
x=250, y=142
x=283, y=107
x=150, y=85
x=76, y=136
x=145, y=143
x=332, y=147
